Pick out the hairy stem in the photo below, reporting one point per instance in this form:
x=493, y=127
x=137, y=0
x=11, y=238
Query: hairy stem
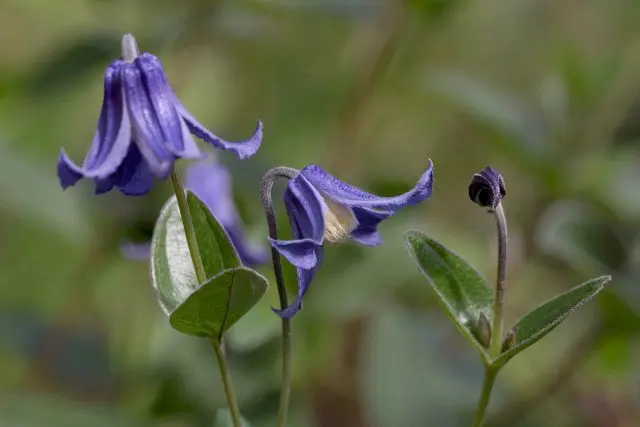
x=501, y=282
x=266, y=186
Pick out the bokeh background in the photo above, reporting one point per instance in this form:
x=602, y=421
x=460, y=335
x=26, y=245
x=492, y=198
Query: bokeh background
x=544, y=90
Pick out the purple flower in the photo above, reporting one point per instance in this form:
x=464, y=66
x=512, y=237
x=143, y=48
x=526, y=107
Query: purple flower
x=211, y=182
x=487, y=188
x=322, y=207
x=143, y=128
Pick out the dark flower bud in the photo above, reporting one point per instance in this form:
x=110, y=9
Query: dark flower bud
x=487, y=188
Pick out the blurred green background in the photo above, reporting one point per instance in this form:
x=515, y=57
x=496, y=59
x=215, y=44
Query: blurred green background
x=545, y=91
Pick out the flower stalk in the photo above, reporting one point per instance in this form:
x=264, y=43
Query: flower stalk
x=201, y=277
x=266, y=186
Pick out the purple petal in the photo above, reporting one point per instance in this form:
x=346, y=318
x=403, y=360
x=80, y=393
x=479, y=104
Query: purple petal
x=367, y=231
x=133, y=177
x=304, y=280
x=243, y=149
x=341, y=192
x=306, y=209
x=111, y=140
x=301, y=253
x=176, y=135
x=148, y=133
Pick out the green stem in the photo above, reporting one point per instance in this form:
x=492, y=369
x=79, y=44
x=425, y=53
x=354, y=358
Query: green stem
x=265, y=190
x=201, y=277
x=501, y=283
x=228, y=386
x=489, y=379
x=189, y=231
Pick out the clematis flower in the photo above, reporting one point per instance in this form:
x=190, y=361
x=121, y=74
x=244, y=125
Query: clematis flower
x=323, y=208
x=211, y=182
x=487, y=188
x=143, y=128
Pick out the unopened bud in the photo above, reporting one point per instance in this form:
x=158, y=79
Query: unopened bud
x=482, y=330
x=487, y=188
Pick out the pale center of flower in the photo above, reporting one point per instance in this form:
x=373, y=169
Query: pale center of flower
x=339, y=222
x=130, y=49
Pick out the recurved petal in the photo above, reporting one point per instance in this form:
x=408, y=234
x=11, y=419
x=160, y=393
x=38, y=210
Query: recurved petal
x=148, y=133
x=304, y=280
x=176, y=134
x=341, y=192
x=243, y=149
x=367, y=231
x=301, y=253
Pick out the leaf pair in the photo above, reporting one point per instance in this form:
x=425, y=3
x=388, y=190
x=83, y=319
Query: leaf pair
x=230, y=291
x=466, y=296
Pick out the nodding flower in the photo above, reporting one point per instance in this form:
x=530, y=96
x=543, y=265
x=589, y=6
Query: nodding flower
x=142, y=130
x=323, y=208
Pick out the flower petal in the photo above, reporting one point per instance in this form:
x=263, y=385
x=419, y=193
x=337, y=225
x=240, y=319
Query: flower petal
x=243, y=149
x=111, y=140
x=162, y=99
x=300, y=253
x=341, y=192
x=304, y=280
x=133, y=177
x=148, y=133
x=367, y=231
x=306, y=209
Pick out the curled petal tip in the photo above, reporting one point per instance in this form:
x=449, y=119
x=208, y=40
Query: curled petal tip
x=68, y=173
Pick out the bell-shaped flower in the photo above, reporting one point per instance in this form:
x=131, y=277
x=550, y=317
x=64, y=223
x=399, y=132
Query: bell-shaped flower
x=212, y=183
x=323, y=208
x=142, y=129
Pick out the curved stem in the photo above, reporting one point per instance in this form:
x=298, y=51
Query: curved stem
x=489, y=379
x=501, y=282
x=266, y=186
x=189, y=231
x=228, y=386
x=201, y=277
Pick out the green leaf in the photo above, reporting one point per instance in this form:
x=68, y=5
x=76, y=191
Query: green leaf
x=219, y=303
x=463, y=292
x=172, y=270
x=231, y=290
x=216, y=249
x=223, y=419
x=546, y=317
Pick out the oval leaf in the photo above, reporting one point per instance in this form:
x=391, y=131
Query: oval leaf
x=463, y=292
x=172, y=270
x=547, y=316
x=219, y=303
